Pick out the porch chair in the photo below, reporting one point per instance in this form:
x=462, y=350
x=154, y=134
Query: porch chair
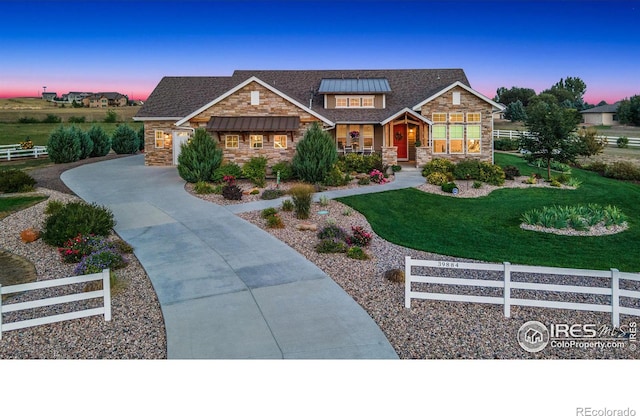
x=367, y=150
x=348, y=149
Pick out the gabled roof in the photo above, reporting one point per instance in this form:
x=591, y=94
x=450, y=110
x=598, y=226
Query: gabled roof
x=607, y=108
x=496, y=105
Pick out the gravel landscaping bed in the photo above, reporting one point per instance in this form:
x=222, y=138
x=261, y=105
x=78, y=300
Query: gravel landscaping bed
x=136, y=330
x=434, y=329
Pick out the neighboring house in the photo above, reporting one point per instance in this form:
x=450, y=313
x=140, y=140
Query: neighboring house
x=74, y=96
x=604, y=115
x=253, y=113
x=49, y=96
x=105, y=99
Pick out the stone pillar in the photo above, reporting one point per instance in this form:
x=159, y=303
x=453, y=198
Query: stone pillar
x=422, y=156
x=390, y=155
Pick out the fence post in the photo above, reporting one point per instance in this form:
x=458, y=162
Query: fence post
x=8, y=154
x=507, y=289
x=615, y=298
x=407, y=282
x=35, y=151
x=106, y=287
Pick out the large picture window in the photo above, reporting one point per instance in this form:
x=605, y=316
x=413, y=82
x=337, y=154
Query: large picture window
x=231, y=141
x=439, y=137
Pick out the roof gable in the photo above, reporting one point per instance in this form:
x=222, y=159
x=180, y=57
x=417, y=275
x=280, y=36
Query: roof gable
x=498, y=106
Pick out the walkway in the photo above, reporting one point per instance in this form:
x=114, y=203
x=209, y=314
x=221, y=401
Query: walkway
x=227, y=289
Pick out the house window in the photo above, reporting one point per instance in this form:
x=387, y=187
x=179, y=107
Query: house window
x=473, y=139
x=231, y=141
x=341, y=136
x=160, y=137
x=354, y=136
x=355, y=101
x=473, y=117
x=456, y=139
x=439, y=117
x=341, y=102
x=255, y=97
x=367, y=135
x=255, y=141
x=456, y=98
x=280, y=141
x=439, y=136
x=367, y=102
x=456, y=117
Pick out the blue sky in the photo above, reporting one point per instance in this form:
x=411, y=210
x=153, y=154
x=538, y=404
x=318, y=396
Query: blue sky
x=128, y=46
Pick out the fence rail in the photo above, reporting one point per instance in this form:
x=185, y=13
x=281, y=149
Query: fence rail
x=613, y=291
x=14, y=151
x=515, y=134
x=104, y=293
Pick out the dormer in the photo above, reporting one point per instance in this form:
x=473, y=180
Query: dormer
x=354, y=93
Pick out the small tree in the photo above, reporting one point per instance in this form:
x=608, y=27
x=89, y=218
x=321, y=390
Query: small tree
x=589, y=143
x=101, y=141
x=111, y=117
x=551, y=130
x=63, y=145
x=86, y=144
x=629, y=111
x=515, y=111
x=199, y=158
x=124, y=140
x=315, y=155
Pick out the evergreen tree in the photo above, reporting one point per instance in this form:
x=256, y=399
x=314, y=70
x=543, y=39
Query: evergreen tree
x=199, y=158
x=315, y=155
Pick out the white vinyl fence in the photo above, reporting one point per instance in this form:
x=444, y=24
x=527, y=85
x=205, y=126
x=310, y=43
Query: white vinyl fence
x=507, y=285
x=104, y=293
x=14, y=151
x=515, y=135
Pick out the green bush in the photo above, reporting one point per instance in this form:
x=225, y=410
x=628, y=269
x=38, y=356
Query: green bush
x=226, y=169
x=396, y=168
x=623, y=170
x=232, y=192
x=364, y=181
x=437, y=178
x=448, y=187
x=315, y=155
x=506, y=145
x=285, y=169
x=438, y=165
x=267, y=212
x=597, y=166
x=199, y=158
x=336, y=177
x=86, y=144
x=579, y=217
x=101, y=141
x=332, y=231
x=491, y=174
x=77, y=119
x=100, y=260
x=15, y=180
x=53, y=207
x=331, y=245
x=275, y=221
x=269, y=194
x=622, y=142
x=357, y=253
x=28, y=120
x=477, y=184
x=124, y=140
x=140, y=133
x=301, y=196
x=467, y=169
x=63, y=145
x=256, y=170
x=111, y=117
x=52, y=119
x=511, y=172
x=287, y=205
x=77, y=218
x=202, y=187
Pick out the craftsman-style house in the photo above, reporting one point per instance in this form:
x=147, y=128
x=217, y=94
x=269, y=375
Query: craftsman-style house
x=405, y=115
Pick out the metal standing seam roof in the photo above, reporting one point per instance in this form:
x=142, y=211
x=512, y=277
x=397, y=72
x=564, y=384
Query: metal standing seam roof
x=370, y=85
x=253, y=123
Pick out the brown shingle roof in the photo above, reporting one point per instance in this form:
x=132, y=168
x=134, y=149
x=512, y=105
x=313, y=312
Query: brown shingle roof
x=176, y=97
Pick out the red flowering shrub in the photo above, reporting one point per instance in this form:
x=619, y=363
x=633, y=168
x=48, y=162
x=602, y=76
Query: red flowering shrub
x=360, y=237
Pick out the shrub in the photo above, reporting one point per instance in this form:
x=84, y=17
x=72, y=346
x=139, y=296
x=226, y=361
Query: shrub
x=364, y=181
x=100, y=260
x=555, y=183
x=562, y=178
x=336, y=177
x=15, y=180
x=27, y=120
x=256, y=170
x=140, y=134
x=86, y=144
x=232, y=192
x=77, y=119
x=63, y=145
x=377, y=177
x=597, y=166
x=347, y=211
x=111, y=117
x=467, y=169
x=622, y=142
x=359, y=237
x=491, y=174
x=285, y=169
x=275, y=221
x=74, y=249
x=124, y=140
x=506, y=145
x=101, y=141
x=396, y=168
x=511, y=172
x=267, y=212
x=77, y=218
x=301, y=196
x=623, y=170
x=226, y=169
x=315, y=155
x=438, y=165
x=271, y=194
x=449, y=187
x=202, y=187
x=330, y=245
x=437, y=178
x=357, y=253
x=52, y=119
x=287, y=205
x=323, y=201
x=332, y=231
x=53, y=207
x=477, y=184
x=395, y=275
x=199, y=158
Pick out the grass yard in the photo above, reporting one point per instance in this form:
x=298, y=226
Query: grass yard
x=9, y=205
x=13, y=133
x=488, y=228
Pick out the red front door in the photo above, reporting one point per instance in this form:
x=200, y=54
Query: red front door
x=400, y=140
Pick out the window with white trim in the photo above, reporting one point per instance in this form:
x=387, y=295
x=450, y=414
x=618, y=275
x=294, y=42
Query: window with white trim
x=439, y=117
x=255, y=141
x=160, y=139
x=456, y=138
x=231, y=141
x=280, y=141
x=473, y=117
x=255, y=97
x=456, y=98
x=367, y=135
x=473, y=139
x=341, y=102
x=367, y=102
x=341, y=136
x=456, y=117
x=355, y=101
x=439, y=138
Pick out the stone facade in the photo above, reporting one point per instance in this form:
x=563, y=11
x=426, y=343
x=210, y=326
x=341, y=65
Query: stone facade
x=390, y=155
x=423, y=156
x=153, y=156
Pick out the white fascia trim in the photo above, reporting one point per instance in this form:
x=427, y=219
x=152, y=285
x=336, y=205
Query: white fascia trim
x=406, y=110
x=244, y=84
x=418, y=106
x=155, y=118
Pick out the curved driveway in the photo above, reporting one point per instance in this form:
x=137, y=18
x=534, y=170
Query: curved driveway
x=227, y=289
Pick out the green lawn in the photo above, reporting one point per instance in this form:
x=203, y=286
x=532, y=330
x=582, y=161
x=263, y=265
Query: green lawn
x=488, y=228
x=9, y=205
x=13, y=133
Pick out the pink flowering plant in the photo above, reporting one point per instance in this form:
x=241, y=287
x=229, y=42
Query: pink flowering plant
x=377, y=176
x=354, y=134
x=359, y=237
x=230, y=180
x=80, y=246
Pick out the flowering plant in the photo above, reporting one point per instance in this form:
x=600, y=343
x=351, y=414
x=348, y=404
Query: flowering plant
x=377, y=176
x=107, y=258
x=360, y=237
x=230, y=180
x=354, y=134
x=80, y=246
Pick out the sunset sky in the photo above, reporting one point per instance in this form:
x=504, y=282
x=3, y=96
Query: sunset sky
x=129, y=46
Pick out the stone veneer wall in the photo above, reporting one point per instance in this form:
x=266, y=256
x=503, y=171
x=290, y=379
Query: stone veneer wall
x=389, y=155
x=153, y=156
x=469, y=103
x=422, y=156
